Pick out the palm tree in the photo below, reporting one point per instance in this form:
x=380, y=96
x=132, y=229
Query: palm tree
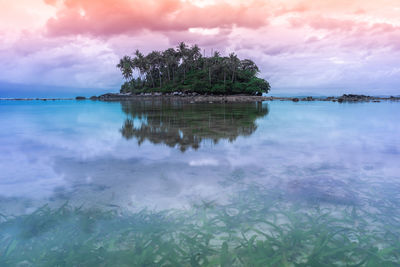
x=183, y=54
x=172, y=61
x=249, y=65
x=194, y=54
x=225, y=68
x=160, y=65
x=155, y=60
x=125, y=65
x=212, y=64
x=234, y=63
x=139, y=62
x=149, y=67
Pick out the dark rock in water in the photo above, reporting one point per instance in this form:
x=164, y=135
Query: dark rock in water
x=355, y=98
x=322, y=189
x=340, y=100
x=295, y=99
x=111, y=96
x=80, y=98
x=93, y=97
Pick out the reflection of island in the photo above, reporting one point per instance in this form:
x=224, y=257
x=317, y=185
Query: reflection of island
x=186, y=125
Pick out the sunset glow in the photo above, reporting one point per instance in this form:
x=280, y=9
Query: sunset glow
x=325, y=47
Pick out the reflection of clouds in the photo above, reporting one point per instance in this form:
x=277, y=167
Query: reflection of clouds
x=203, y=162
x=137, y=182
x=25, y=173
x=80, y=155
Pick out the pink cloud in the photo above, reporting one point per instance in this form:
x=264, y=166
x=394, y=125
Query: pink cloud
x=295, y=43
x=112, y=17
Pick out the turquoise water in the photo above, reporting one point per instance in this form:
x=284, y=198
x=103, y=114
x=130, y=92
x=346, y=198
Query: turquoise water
x=258, y=184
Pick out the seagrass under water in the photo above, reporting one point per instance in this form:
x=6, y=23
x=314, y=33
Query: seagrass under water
x=180, y=184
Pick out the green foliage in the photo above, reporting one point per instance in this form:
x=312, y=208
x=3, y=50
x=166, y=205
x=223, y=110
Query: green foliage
x=185, y=69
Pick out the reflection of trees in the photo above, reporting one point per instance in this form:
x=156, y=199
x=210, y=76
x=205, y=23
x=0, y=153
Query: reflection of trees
x=187, y=125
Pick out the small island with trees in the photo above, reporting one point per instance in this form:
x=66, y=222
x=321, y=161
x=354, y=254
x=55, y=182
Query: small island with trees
x=185, y=70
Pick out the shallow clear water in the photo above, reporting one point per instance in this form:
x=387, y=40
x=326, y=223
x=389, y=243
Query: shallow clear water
x=242, y=168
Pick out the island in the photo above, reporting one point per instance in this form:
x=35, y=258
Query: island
x=186, y=70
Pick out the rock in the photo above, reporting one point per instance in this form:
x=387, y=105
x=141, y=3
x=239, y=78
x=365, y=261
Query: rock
x=340, y=100
x=93, y=97
x=110, y=96
x=80, y=98
x=295, y=99
x=355, y=98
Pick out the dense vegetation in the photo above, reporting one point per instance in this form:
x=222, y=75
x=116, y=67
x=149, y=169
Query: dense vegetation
x=185, y=69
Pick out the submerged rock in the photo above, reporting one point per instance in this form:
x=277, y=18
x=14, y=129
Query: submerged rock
x=80, y=98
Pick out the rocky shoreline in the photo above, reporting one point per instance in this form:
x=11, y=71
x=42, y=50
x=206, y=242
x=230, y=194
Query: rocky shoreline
x=197, y=98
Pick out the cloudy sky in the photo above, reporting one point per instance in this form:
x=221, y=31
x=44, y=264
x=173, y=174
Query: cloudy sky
x=301, y=46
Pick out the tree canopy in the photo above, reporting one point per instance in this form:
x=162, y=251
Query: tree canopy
x=185, y=69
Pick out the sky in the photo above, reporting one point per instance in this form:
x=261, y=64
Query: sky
x=321, y=47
